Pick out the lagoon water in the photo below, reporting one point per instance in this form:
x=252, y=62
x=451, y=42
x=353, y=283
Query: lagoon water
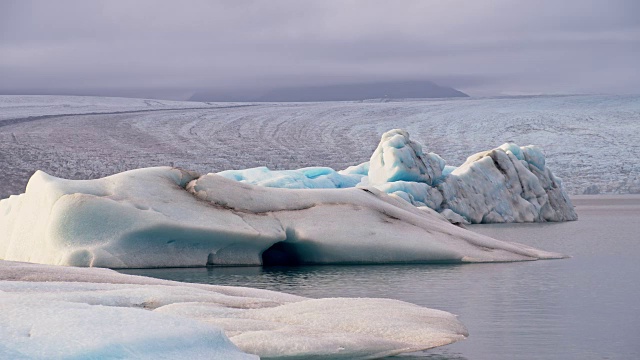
x=584, y=307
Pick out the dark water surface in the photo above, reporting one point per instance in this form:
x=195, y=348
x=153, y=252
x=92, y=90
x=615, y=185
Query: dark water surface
x=585, y=307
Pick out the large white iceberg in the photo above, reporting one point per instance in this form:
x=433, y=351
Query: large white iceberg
x=168, y=217
x=506, y=184
x=79, y=313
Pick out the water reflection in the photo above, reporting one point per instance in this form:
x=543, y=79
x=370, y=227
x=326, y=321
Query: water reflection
x=585, y=307
x=426, y=356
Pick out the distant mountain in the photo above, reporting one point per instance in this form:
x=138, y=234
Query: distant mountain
x=344, y=92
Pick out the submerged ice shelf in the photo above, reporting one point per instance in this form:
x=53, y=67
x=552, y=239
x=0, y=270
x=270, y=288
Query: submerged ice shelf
x=66, y=312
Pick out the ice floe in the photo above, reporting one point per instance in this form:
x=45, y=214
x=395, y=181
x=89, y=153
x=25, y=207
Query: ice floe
x=168, y=217
x=66, y=312
x=506, y=184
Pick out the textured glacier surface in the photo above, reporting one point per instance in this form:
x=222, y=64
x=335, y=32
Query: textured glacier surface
x=168, y=217
x=32, y=107
x=591, y=142
x=79, y=313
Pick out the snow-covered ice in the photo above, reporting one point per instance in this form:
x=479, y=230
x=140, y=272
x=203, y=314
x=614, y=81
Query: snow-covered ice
x=66, y=312
x=164, y=217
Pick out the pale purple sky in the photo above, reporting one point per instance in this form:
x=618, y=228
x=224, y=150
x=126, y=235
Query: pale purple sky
x=480, y=47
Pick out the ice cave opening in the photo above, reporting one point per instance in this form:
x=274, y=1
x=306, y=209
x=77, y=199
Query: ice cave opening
x=282, y=253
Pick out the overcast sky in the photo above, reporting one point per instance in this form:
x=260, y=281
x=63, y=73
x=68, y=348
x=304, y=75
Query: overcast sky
x=482, y=47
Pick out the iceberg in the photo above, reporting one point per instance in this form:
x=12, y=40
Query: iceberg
x=169, y=217
x=507, y=184
x=66, y=312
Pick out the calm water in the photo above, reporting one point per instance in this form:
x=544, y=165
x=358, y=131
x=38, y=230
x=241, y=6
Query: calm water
x=585, y=307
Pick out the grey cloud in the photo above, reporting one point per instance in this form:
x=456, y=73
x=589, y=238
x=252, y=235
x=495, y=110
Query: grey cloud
x=483, y=47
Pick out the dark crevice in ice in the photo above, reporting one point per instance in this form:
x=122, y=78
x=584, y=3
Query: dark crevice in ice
x=281, y=254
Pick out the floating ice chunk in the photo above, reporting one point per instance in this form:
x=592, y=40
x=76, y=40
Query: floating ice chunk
x=98, y=313
x=398, y=158
x=330, y=328
x=506, y=184
x=166, y=217
x=34, y=328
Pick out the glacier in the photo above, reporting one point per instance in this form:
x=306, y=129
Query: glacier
x=169, y=217
x=506, y=184
x=67, y=312
x=92, y=137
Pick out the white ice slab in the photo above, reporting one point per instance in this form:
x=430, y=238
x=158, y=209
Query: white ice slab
x=167, y=217
x=78, y=313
